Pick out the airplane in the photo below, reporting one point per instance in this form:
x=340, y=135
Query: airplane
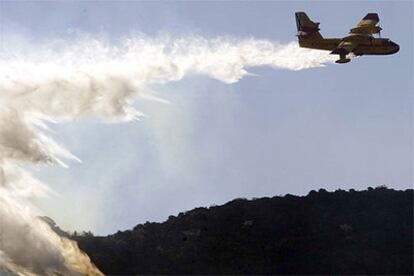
x=360, y=41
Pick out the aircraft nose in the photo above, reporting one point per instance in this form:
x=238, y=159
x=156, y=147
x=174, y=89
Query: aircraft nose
x=396, y=47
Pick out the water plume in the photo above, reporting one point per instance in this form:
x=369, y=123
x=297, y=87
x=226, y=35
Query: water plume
x=63, y=80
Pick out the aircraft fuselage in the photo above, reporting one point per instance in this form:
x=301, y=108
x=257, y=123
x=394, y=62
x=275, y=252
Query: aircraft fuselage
x=366, y=45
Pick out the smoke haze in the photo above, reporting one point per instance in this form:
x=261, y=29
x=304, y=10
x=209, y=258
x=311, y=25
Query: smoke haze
x=92, y=77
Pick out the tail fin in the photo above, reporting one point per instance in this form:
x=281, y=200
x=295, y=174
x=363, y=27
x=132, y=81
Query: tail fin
x=307, y=29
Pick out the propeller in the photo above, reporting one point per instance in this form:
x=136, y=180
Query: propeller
x=379, y=30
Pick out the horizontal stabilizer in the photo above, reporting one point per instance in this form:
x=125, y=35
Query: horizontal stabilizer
x=307, y=28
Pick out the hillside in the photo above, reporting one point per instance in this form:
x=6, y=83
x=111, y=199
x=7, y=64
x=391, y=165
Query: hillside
x=355, y=232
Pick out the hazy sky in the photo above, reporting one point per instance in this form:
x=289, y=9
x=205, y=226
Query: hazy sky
x=341, y=126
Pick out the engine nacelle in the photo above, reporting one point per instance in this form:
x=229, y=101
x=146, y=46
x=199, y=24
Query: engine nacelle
x=366, y=30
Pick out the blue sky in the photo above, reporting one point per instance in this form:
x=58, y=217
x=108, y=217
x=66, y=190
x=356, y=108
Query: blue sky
x=341, y=126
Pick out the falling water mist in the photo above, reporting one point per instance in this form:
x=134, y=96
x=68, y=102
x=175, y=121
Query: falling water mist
x=91, y=77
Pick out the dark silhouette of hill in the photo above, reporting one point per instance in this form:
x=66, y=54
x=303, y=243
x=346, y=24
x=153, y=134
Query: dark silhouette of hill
x=354, y=232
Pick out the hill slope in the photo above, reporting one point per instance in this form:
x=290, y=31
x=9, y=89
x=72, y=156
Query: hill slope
x=366, y=232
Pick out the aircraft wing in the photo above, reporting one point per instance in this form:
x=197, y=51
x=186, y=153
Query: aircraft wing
x=345, y=47
x=367, y=26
